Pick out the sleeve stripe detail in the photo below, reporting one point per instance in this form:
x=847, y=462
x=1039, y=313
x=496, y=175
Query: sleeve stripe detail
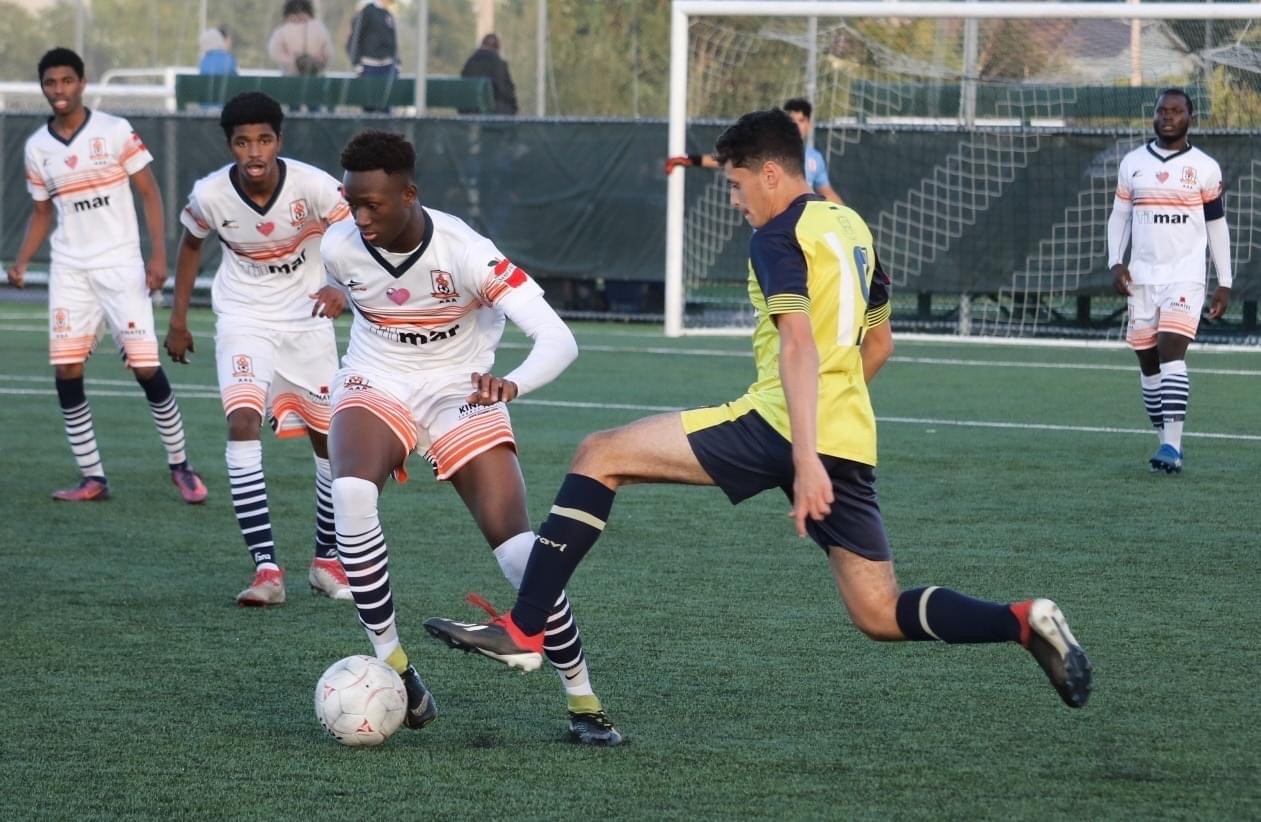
x=788, y=304
x=879, y=315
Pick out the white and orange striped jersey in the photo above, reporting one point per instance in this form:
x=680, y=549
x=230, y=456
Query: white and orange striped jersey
x=1169, y=197
x=441, y=307
x=271, y=253
x=88, y=179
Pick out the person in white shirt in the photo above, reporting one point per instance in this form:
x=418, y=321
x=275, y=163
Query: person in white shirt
x=81, y=167
x=275, y=348
x=1169, y=205
x=431, y=297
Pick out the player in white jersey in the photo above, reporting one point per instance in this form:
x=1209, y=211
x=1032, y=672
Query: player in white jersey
x=274, y=346
x=430, y=297
x=81, y=167
x=1170, y=204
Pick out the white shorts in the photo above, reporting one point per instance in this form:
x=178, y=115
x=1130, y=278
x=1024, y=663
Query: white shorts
x=1170, y=308
x=429, y=413
x=80, y=301
x=283, y=375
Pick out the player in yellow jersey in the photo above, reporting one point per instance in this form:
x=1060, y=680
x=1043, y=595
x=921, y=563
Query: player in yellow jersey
x=805, y=426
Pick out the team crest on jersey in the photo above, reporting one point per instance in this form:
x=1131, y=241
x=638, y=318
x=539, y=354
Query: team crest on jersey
x=1188, y=175
x=61, y=321
x=443, y=285
x=72, y=160
x=355, y=383
x=242, y=366
x=97, y=148
x=298, y=212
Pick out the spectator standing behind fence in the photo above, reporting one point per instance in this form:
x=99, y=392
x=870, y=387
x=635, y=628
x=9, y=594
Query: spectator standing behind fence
x=486, y=62
x=373, y=42
x=215, y=46
x=301, y=44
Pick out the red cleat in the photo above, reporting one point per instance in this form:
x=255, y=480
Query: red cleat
x=192, y=489
x=89, y=489
x=500, y=639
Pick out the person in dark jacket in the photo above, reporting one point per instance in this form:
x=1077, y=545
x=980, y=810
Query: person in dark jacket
x=373, y=42
x=486, y=62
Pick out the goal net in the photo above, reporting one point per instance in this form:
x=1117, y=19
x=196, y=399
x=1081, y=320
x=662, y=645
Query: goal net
x=980, y=141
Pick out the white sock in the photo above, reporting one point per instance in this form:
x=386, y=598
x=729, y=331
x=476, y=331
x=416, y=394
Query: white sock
x=1175, y=392
x=365, y=557
x=1151, y=402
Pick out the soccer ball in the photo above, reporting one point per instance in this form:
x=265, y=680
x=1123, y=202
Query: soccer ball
x=360, y=701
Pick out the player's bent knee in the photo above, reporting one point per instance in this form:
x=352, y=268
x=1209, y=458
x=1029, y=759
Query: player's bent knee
x=594, y=452
x=354, y=496
x=244, y=424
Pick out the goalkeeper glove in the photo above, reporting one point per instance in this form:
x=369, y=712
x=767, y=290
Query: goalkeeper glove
x=684, y=160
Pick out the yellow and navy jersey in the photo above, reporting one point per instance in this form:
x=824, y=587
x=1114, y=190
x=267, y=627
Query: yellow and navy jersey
x=817, y=258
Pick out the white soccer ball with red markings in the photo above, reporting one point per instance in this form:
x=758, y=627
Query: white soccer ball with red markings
x=360, y=701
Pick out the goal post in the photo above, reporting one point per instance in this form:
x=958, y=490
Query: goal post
x=953, y=116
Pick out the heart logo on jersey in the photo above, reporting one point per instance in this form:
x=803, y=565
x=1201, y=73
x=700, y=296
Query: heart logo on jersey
x=1162, y=176
x=266, y=228
x=72, y=160
x=398, y=295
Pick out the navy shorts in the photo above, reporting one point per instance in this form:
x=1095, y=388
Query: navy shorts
x=746, y=456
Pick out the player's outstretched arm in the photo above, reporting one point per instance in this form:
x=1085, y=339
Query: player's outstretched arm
x=151, y=198
x=830, y=194
x=179, y=340
x=553, y=350
x=37, y=229
x=690, y=160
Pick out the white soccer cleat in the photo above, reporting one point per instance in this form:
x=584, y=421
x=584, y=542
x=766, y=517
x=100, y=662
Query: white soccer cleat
x=328, y=578
x=268, y=588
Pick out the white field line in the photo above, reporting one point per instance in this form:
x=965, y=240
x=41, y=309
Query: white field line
x=207, y=392
x=745, y=355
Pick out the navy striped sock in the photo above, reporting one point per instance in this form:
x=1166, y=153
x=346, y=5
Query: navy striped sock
x=949, y=616
x=572, y=526
x=166, y=416
x=80, y=433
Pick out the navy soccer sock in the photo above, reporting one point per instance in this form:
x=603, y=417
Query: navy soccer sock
x=77, y=416
x=946, y=615
x=166, y=416
x=575, y=522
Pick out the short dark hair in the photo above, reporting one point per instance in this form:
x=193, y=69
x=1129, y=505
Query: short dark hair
x=372, y=149
x=800, y=104
x=1178, y=91
x=762, y=136
x=248, y=108
x=60, y=56
x=491, y=41
x=298, y=7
